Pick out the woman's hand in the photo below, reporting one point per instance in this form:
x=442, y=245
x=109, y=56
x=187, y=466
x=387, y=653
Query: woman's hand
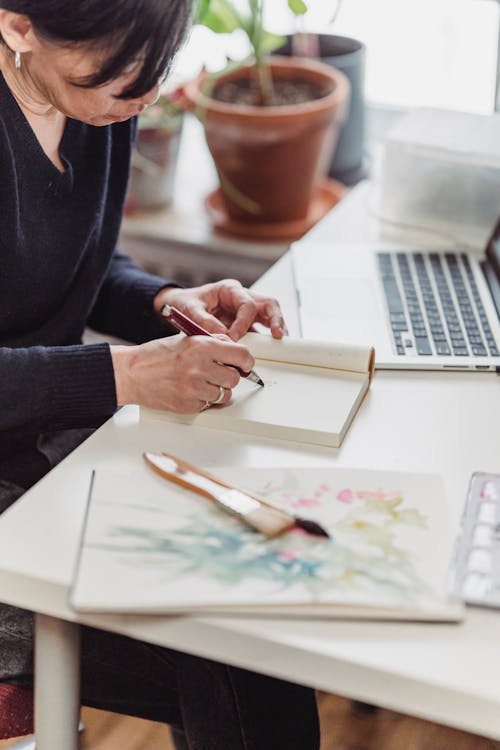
x=225, y=307
x=181, y=374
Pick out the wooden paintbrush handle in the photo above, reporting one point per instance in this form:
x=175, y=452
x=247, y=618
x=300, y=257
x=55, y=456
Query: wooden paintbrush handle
x=189, y=467
x=249, y=509
x=177, y=478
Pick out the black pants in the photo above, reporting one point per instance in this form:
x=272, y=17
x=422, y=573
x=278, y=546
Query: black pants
x=211, y=706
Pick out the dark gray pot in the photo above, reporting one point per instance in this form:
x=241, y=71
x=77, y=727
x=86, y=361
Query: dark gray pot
x=348, y=56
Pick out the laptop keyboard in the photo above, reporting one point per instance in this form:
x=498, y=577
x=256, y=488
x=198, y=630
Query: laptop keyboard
x=434, y=305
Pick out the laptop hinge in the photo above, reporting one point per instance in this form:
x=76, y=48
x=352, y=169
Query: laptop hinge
x=493, y=283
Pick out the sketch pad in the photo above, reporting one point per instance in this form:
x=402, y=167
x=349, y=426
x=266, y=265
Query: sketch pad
x=312, y=392
x=152, y=547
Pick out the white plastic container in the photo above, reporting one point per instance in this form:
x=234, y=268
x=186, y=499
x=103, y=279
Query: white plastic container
x=440, y=170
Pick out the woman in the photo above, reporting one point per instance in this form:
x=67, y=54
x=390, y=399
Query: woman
x=73, y=74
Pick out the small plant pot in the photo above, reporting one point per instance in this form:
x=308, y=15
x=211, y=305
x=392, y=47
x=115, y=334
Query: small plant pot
x=347, y=55
x=271, y=159
x=154, y=163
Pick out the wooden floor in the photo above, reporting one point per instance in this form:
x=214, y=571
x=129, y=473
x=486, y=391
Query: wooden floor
x=343, y=727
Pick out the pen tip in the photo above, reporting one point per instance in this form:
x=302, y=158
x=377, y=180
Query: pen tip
x=260, y=382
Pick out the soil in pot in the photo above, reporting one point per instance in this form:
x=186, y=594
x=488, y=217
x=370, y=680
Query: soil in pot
x=284, y=93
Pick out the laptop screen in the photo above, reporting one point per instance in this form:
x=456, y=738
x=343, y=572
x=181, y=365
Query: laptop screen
x=493, y=249
x=491, y=268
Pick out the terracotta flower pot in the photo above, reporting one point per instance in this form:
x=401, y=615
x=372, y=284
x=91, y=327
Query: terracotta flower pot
x=269, y=159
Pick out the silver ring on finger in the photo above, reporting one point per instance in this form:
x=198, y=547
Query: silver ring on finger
x=206, y=405
x=222, y=393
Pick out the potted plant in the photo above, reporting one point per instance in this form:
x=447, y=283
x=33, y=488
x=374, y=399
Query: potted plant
x=154, y=158
x=347, y=55
x=271, y=124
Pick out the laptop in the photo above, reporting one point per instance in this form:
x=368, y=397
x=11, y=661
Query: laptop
x=420, y=309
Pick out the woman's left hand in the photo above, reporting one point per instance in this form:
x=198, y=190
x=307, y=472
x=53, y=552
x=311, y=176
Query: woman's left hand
x=225, y=307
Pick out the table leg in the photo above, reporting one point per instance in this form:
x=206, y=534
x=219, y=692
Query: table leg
x=57, y=683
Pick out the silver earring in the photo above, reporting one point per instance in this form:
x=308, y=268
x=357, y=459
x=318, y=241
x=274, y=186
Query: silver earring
x=17, y=60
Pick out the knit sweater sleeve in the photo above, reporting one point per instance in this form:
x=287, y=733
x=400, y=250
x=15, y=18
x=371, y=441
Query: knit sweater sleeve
x=124, y=306
x=55, y=387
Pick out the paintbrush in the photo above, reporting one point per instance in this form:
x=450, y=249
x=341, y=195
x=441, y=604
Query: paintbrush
x=249, y=508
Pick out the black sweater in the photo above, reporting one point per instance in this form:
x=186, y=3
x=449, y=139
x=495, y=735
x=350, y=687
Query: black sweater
x=59, y=272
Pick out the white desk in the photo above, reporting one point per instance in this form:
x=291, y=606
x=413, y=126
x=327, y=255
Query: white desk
x=443, y=423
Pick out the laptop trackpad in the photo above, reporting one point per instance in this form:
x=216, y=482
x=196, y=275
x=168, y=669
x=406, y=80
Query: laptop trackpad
x=343, y=310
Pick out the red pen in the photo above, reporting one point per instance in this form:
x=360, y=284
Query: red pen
x=190, y=328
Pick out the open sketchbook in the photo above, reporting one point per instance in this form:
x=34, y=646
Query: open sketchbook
x=312, y=392
x=149, y=546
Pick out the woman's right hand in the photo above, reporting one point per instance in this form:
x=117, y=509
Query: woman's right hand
x=179, y=373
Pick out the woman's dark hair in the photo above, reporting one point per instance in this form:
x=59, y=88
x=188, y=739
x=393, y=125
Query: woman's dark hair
x=148, y=30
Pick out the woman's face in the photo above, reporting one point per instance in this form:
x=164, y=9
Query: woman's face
x=50, y=72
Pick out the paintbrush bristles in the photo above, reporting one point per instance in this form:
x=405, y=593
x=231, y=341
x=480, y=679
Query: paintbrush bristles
x=269, y=521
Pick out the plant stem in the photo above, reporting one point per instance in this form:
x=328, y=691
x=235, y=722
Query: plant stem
x=305, y=45
x=337, y=11
x=264, y=77
x=265, y=83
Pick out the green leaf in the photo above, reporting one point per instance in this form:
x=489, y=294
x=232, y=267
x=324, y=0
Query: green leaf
x=219, y=16
x=202, y=10
x=298, y=7
x=271, y=42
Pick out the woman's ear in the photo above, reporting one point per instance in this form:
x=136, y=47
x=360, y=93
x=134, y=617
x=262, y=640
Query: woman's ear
x=16, y=31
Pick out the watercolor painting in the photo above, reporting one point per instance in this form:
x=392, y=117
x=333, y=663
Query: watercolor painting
x=153, y=546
